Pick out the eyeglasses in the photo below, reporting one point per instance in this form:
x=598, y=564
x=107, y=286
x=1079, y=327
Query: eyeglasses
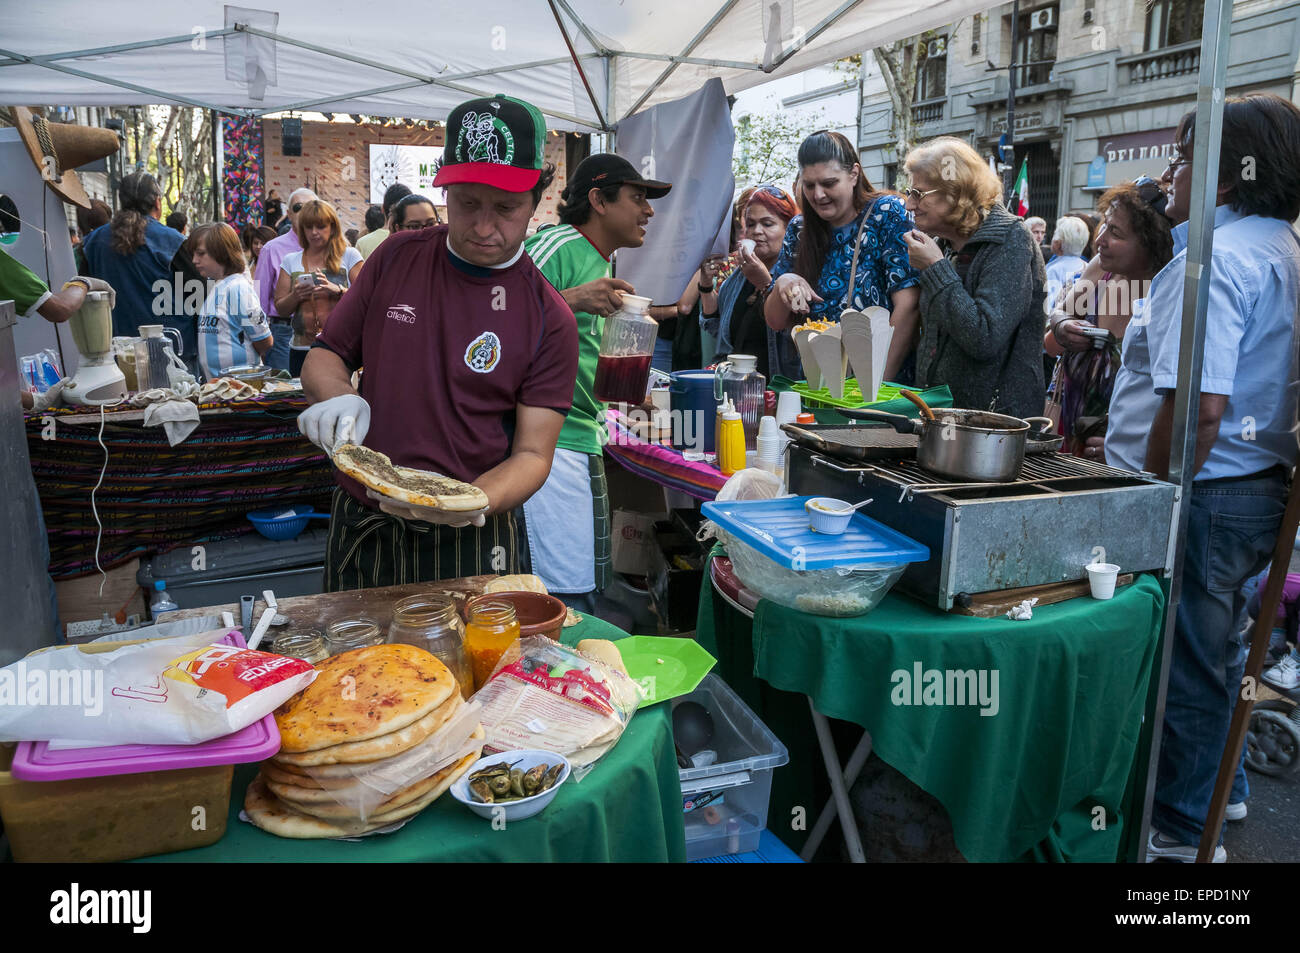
x=1150, y=192
x=771, y=190
x=916, y=194
x=1176, y=163
x=415, y=226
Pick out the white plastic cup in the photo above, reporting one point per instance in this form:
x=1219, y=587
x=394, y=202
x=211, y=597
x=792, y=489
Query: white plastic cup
x=767, y=428
x=1101, y=579
x=788, y=407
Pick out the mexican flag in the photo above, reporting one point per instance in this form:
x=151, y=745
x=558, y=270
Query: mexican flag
x=1021, y=190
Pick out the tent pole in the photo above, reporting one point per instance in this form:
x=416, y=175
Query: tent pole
x=815, y=32
x=611, y=137
x=158, y=96
x=1216, y=35
x=573, y=54
x=695, y=41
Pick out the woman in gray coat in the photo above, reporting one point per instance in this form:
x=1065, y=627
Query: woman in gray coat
x=982, y=284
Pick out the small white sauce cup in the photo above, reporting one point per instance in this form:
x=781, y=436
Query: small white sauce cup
x=1101, y=579
x=828, y=515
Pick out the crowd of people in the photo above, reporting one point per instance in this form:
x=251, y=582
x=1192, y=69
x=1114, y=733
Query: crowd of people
x=479, y=347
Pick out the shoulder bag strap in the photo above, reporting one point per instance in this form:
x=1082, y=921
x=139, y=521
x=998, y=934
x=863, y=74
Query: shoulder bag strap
x=857, y=246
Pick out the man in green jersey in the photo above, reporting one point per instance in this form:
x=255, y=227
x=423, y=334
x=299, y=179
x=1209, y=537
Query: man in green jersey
x=604, y=208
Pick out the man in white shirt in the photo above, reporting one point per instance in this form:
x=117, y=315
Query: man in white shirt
x=1068, y=242
x=1246, y=439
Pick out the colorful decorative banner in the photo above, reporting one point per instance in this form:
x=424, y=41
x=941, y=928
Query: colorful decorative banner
x=241, y=139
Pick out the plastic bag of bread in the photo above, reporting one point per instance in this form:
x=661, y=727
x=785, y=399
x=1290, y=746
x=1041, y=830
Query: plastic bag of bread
x=552, y=697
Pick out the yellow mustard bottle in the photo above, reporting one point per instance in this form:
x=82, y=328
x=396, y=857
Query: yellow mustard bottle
x=731, y=447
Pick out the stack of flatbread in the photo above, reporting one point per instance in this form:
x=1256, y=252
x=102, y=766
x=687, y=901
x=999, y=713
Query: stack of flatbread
x=379, y=735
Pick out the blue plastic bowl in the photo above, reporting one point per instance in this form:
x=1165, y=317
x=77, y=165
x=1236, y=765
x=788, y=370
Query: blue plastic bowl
x=273, y=526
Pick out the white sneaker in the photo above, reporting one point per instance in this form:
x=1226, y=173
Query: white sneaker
x=1285, y=674
x=1236, y=812
x=1160, y=847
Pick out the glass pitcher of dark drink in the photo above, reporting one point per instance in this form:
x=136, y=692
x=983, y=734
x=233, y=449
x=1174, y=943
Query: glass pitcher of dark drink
x=626, y=350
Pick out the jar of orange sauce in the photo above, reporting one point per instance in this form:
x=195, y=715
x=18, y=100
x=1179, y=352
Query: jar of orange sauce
x=493, y=628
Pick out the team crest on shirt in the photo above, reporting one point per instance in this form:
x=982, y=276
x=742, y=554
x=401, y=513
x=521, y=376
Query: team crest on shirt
x=483, y=353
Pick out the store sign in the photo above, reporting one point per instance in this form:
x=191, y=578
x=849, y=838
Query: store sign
x=1138, y=146
x=413, y=166
x=1097, y=173
x=1024, y=121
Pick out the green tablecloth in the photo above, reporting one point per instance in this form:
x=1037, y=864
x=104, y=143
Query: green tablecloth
x=629, y=808
x=1023, y=783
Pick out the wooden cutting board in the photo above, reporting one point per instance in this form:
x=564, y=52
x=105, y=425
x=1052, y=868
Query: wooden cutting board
x=992, y=605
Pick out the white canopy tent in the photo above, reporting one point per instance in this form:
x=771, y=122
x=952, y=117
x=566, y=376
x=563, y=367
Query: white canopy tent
x=585, y=63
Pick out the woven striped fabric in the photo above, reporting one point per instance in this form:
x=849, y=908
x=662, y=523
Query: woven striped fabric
x=659, y=463
x=155, y=497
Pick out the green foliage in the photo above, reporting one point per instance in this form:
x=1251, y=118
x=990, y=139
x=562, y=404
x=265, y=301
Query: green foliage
x=767, y=147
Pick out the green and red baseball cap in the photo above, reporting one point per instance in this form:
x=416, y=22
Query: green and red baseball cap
x=497, y=141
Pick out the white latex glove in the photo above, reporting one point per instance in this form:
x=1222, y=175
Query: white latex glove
x=94, y=284
x=339, y=420
x=427, y=514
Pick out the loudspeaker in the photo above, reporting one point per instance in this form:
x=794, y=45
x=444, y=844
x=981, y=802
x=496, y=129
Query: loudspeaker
x=291, y=137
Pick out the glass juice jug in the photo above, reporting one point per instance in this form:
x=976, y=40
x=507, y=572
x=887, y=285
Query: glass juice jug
x=626, y=350
x=153, y=355
x=738, y=379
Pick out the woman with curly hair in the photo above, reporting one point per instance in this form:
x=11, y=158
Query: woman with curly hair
x=312, y=281
x=845, y=251
x=982, y=283
x=1134, y=242
x=134, y=252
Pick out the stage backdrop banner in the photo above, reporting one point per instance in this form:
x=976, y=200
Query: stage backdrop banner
x=413, y=166
x=687, y=143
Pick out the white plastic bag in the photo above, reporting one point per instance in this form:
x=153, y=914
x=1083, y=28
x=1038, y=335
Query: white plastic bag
x=750, y=483
x=171, y=692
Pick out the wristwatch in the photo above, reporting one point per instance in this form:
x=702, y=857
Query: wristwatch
x=703, y=290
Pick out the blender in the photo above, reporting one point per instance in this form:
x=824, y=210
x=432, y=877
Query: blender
x=98, y=379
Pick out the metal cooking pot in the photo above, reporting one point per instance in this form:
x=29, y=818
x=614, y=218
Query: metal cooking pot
x=974, y=446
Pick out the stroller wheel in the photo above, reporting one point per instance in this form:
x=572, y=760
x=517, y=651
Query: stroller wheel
x=1272, y=742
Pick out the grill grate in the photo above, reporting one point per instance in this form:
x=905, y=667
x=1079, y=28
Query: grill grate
x=1046, y=469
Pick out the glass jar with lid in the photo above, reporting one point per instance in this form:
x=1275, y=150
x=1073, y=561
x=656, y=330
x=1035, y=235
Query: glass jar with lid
x=432, y=623
x=308, y=646
x=352, y=634
x=493, y=628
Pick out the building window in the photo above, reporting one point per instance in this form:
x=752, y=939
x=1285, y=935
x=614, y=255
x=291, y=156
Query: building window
x=1036, y=46
x=1171, y=22
x=890, y=180
x=932, y=76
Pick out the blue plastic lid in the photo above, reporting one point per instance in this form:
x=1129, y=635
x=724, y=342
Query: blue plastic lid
x=160, y=584
x=779, y=530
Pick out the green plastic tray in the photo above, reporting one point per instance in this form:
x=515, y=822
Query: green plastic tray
x=664, y=667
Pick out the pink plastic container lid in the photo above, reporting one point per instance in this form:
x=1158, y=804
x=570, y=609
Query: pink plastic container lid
x=34, y=761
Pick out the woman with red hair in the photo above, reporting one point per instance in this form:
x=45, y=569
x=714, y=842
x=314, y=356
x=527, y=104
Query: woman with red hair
x=733, y=312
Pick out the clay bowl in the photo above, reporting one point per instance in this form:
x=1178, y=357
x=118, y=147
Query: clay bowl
x=538, y=614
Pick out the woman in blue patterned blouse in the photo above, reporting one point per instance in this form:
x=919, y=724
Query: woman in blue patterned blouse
x=812, y=274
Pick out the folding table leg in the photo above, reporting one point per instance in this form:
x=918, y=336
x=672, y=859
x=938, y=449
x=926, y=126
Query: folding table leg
x=827, y=816
x=840, y=792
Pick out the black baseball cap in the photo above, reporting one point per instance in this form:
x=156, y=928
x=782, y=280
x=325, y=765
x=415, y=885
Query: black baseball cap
x=605, y=168
x=497, y=141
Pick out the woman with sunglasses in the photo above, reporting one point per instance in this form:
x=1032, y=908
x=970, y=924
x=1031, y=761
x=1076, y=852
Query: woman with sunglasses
x=1133, y=244
x=843, y=213
x=982, y=283
x=312, y=281
x=733, y=312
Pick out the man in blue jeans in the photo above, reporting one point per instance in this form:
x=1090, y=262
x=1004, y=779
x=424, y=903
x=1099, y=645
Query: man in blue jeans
x=1246, y=441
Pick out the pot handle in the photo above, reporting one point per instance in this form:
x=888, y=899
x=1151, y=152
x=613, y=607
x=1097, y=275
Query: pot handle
x=1040, y=424
x=805, y=436
x=897, y=421
x=718, y=371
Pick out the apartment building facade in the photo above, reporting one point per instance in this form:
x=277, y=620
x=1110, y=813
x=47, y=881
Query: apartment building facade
x=1100, y=87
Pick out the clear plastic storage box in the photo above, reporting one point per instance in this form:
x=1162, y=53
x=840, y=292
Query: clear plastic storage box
x=733, y=792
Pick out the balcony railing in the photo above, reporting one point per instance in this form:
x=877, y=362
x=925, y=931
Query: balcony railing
x=1169, y=63
x=929, y=110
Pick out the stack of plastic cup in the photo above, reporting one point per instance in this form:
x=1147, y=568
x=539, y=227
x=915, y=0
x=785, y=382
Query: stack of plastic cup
x=788, y=409
x=770, y=445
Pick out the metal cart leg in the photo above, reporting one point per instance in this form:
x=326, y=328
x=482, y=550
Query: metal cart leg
x=827, y=816
x=840, y=792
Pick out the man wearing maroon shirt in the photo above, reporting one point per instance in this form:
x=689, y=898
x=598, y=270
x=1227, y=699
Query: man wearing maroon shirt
x=468, y=360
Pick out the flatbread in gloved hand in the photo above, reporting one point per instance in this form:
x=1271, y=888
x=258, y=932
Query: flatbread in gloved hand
x=375, y=471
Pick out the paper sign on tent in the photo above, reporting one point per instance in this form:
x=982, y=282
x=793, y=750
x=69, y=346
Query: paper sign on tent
x=866, y=336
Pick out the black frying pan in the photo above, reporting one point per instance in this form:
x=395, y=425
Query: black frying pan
x=854, y=443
